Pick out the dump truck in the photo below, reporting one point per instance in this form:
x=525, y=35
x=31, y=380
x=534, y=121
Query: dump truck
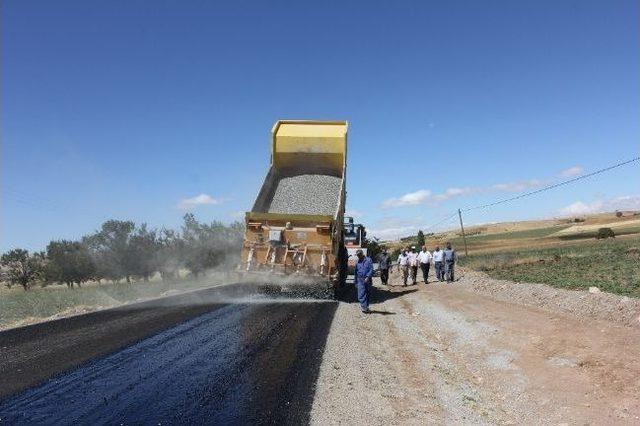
x=294, y=232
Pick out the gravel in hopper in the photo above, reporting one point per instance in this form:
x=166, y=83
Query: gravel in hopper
x=311, y=194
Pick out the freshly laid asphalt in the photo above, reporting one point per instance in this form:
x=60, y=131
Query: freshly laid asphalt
x=214, y=356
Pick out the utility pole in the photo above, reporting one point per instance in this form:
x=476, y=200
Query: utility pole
x=464, y=237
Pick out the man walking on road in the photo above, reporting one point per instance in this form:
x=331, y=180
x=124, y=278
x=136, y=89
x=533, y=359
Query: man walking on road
x=413, y=264
x=403, y=265
x=450, y=258
x=364, y=274
x=438, y=262
x=424, y=257
x=384, y=264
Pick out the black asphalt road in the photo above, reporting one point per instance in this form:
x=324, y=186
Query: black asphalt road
x=240, y=362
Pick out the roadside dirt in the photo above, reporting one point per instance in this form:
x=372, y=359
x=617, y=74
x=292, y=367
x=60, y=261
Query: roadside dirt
x=445, y=353
x=581, y=305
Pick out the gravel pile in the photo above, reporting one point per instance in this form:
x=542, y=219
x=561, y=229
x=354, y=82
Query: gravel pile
x=306, y=194
x=581, y=304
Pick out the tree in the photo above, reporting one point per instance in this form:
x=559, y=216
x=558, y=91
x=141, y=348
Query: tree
x=420, y=241
x=169, y=253
x=373, y=246
x=209, y=245
x=143, y=248
x=21, y=268
x=111, y=247
x=69, y=262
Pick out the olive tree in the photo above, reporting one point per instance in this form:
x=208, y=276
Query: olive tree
x=69, y=262
x=22, y=268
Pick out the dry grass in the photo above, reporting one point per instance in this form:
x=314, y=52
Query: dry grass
x=19, y=307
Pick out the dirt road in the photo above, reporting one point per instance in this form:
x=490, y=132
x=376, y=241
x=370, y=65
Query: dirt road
x=428, y=354
x=444, y=354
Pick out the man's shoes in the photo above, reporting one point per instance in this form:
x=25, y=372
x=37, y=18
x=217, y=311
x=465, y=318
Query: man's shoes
x=366, y=311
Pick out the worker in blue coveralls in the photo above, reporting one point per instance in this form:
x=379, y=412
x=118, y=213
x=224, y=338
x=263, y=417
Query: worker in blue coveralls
x=364, y=274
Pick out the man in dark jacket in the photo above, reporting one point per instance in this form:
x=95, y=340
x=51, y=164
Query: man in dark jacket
x=384, y=264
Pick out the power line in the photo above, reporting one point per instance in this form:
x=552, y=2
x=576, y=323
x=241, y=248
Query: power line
x=546, y=188
x=555, y=185
x=442, y=221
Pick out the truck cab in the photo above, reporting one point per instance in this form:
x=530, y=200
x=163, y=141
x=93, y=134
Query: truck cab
x=354, y=239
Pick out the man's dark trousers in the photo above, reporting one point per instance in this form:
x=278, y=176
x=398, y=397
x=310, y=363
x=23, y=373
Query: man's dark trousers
x=425, y=271
x=364, y=291
x=384, y=275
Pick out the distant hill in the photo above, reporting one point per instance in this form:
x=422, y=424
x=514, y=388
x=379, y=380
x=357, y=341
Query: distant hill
x=531, y=233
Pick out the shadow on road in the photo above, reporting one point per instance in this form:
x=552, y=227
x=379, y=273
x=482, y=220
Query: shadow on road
x=381, y=312
x=381, y=295
x=378, y=295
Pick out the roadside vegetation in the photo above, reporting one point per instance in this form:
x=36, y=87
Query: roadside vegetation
x=21, y=308
x=119, y=263
x=124, y=251
x=612, y=265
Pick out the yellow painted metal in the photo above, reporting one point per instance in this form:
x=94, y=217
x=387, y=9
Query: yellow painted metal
x=304, y=143
x=288, y=217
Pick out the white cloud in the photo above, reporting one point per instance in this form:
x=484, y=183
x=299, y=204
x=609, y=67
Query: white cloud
x=198, y=200
x=394, y=227
x=518, y=186
x=627, y=202
x=579, y=208
x=393, y=233
x=356, y=214
x=456, y=192
x=572, y=171
x=410, y=199
x=425, y=196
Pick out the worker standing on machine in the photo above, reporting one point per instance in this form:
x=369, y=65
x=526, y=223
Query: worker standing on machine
x=364, y=276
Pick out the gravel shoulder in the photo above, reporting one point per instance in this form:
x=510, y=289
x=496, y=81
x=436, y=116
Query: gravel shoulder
x=465, y=353
x=582, y=305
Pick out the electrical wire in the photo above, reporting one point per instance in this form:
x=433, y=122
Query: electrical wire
x=537, y=191
x=555, y=185
x=442, y=221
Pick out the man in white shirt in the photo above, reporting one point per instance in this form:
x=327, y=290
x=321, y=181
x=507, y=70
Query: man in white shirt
x=424, y=257
x=438, y=262
x=403, y=265
x=413, y=264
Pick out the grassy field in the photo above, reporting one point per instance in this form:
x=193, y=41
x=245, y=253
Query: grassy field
x=18, y=307
x=612, y=265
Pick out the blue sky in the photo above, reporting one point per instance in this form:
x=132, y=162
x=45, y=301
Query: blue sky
x=125, y=109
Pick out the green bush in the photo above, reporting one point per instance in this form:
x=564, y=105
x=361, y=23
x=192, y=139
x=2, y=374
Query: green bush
x=604, y=233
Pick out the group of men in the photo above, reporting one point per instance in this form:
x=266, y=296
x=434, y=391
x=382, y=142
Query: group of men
x=408, y=263
x=410, y=260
